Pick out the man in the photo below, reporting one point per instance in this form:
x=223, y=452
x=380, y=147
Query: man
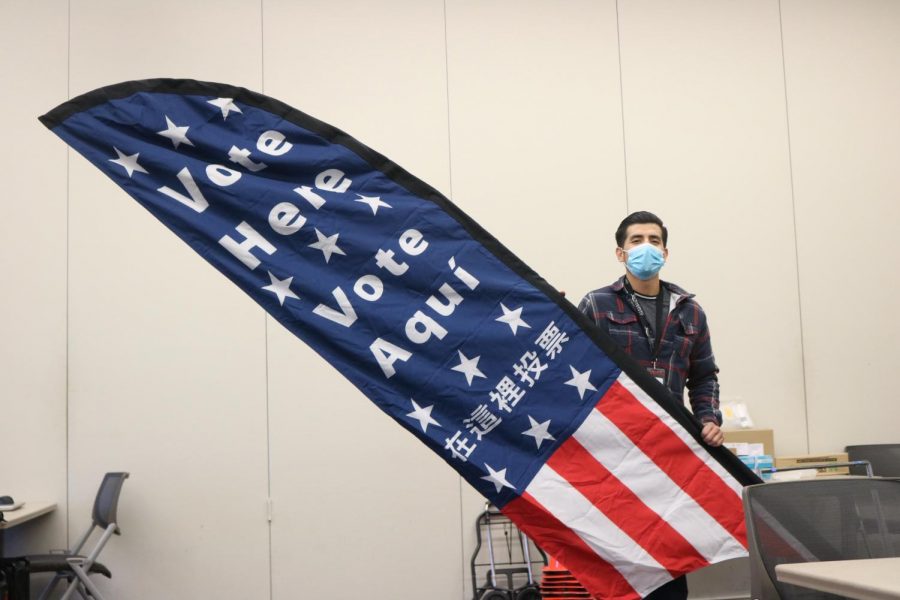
x=661, y=326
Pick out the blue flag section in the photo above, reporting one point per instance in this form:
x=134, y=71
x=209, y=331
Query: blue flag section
x=428, y=315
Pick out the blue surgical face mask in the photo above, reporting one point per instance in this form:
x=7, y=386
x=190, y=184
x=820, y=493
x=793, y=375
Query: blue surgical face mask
x=645, y=261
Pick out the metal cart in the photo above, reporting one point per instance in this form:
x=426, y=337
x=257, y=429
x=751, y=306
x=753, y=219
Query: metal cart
x=507, y=554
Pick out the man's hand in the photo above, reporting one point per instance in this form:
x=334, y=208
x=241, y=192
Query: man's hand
x=712, y=435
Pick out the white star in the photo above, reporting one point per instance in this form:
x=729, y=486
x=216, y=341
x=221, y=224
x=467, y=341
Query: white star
x=328, y=245
x=498, y=478
x=581, y=381
x=374, y=202
x=226, y=105
x=177, y=134
x=468, y=367
x=539, y=431
x=513, y=318
x=281, y=288
x=129, y=162
x=422, y=415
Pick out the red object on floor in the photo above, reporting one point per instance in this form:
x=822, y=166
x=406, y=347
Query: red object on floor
x=557, y=583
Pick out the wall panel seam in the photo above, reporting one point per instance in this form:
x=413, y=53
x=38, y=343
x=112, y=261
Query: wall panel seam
x=622, y=108
x=462, y=534
x=262, y=89
x=787, y=118
x=68, y=257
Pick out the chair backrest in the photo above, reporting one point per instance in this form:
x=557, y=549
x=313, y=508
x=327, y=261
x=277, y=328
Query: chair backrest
x=884, y=458
x=828, y=518
x=107, y=501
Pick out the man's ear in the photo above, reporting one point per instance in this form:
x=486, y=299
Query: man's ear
x=620, y=255
x=666, y=253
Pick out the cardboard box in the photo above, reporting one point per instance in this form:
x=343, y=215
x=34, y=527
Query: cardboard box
x=815, y=459
x=736, y=438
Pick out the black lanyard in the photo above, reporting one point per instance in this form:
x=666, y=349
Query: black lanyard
x=642, y=316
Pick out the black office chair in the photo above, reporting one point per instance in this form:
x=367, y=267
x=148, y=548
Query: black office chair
x=72, y=565
x=828, y=518
x=14, y=579
x=884, y=458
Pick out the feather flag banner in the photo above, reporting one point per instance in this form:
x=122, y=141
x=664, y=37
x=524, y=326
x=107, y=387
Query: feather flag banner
x=431, y=318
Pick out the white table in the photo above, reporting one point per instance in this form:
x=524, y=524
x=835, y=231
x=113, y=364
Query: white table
x=26, y=512
x=865, y=579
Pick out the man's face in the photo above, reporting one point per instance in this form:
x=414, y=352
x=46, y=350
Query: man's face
x=641, y=233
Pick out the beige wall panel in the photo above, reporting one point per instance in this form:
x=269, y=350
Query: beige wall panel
x=536, y=138
x=707, y=149
x=120, y=41
x=842, y=62
x=33, y=298
x=167, y=358
x=536, y=131
x=383, y=84
x=360, y=506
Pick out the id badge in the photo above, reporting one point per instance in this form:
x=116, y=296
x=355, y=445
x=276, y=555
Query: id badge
x=658, y=374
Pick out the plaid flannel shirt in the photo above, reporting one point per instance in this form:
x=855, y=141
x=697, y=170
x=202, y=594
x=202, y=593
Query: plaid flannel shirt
x=685, y=351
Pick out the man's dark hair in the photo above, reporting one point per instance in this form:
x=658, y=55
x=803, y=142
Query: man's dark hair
x=641, y=216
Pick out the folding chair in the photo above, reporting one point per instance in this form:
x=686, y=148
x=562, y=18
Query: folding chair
x=827, y=518
x=73, y=566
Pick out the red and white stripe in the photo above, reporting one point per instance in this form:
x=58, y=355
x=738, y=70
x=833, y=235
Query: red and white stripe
x=631, y=500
